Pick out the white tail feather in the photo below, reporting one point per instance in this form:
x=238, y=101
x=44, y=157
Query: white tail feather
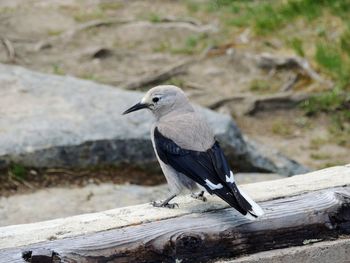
x=250, y=217
x=256, y=209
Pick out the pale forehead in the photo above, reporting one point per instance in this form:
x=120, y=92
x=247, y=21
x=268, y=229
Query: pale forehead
x=163, y=90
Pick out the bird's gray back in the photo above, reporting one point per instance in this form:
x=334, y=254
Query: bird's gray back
x=188, y=130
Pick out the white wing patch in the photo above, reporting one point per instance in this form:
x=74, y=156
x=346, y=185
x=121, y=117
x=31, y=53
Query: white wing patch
x=213, y=186
x=230, y=179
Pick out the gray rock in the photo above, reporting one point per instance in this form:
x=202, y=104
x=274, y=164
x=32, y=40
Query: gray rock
x=55, y=121
x=267, y=158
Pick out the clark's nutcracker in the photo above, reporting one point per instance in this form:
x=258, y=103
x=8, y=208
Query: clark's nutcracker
x=188, y=153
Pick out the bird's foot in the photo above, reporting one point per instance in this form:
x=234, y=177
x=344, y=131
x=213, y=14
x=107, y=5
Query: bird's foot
x=199, y=196
x=163, y=204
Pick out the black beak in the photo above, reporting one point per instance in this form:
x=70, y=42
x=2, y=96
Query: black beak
x=138, y=106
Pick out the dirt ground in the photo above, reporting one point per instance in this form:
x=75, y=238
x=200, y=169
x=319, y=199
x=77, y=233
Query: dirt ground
x=73, y=199
x=13, y=181
x=122, y=42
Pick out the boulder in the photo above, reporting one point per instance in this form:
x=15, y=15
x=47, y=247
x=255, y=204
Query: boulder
x=61, y=121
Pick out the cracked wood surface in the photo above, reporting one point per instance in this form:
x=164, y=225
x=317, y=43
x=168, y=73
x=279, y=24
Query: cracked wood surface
x=19, y=235
x=145, y=233
x=321, y=215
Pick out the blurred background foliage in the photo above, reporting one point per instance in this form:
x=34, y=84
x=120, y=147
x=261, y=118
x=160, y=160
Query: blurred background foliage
x=318, y=30
x=115, y=41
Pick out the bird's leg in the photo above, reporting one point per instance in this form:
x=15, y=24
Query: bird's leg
x=165, y=203
x=199, y=196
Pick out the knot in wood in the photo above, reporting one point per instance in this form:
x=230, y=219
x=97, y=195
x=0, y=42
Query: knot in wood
x=341, y=218
x=188, y=241
x=41, y=256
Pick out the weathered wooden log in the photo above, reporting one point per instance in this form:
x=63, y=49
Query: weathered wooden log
x=158, y=77
x=264, y=103
x=282, y=100
x=201, y=234
x=321, y=215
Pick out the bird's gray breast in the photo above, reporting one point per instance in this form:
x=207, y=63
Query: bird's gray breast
x=188, y=130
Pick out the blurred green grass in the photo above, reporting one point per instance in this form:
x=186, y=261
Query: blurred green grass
x=17, y=171
x=318, y=30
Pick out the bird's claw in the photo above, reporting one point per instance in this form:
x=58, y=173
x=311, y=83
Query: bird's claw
x=199, y=197
x=167, y=205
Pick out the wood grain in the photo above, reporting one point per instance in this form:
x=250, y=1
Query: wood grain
x=26, y=234
x=200, y=237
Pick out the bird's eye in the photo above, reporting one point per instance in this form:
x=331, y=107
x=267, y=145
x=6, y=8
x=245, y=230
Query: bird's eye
x=155, y=99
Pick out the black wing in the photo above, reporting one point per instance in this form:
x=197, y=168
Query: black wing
x=209, y=169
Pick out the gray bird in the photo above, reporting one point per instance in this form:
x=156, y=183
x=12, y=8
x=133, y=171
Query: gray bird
x=190, y=157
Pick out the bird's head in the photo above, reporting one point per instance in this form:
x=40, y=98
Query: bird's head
x=162, y=100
